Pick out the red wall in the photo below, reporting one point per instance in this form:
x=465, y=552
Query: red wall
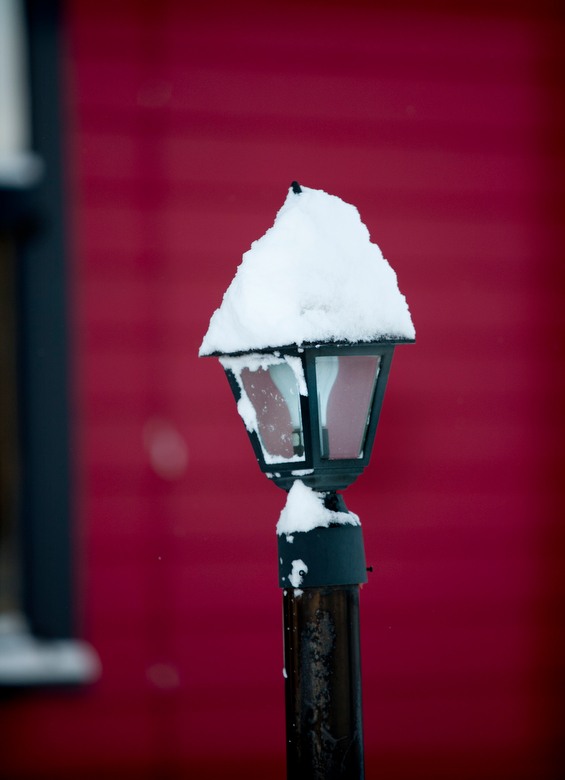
x=186, y=128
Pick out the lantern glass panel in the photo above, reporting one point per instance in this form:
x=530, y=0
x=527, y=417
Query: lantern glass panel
x=346, y=387
x=274, y=395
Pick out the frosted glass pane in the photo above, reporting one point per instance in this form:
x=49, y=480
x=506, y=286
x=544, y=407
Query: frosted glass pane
x=274, y=395
x=346, y=385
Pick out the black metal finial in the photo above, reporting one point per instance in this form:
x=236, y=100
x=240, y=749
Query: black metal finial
x=296, y=188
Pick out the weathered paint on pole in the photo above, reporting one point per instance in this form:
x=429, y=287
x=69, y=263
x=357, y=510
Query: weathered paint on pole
x=324, y=719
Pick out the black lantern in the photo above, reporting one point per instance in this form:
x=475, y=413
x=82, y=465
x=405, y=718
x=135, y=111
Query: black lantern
x=312, y=411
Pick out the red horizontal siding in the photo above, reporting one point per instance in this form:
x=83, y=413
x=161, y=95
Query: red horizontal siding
x=444, y=128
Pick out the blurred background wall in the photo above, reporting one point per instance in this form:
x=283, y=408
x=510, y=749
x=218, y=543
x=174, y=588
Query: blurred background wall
x=183, y=126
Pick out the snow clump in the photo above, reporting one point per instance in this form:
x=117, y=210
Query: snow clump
x=305, y=510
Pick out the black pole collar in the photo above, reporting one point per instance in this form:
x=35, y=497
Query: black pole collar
x=322, y=557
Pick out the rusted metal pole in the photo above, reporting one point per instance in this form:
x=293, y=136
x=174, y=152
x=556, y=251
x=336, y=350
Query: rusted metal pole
x=324, y=720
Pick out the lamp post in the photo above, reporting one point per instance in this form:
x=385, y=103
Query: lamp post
x=311, y=410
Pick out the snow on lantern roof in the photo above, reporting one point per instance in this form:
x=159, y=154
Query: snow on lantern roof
x=314, y=277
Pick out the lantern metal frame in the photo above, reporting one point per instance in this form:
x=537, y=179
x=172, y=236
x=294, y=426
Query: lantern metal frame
x=316, y=472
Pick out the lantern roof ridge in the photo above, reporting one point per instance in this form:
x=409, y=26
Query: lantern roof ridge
x=308, y=345
x=315, y=277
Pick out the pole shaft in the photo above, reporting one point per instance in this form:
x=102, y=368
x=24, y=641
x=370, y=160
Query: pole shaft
x=324, y=721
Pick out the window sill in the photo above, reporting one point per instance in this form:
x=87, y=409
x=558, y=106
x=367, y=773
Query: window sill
x=26, y=660
x=20, y=170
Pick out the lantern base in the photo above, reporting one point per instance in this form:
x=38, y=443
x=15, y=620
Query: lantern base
x=320, y=479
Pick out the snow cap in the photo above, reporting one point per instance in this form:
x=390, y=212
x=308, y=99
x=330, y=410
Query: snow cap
x=305, y=510
x=314, y=277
